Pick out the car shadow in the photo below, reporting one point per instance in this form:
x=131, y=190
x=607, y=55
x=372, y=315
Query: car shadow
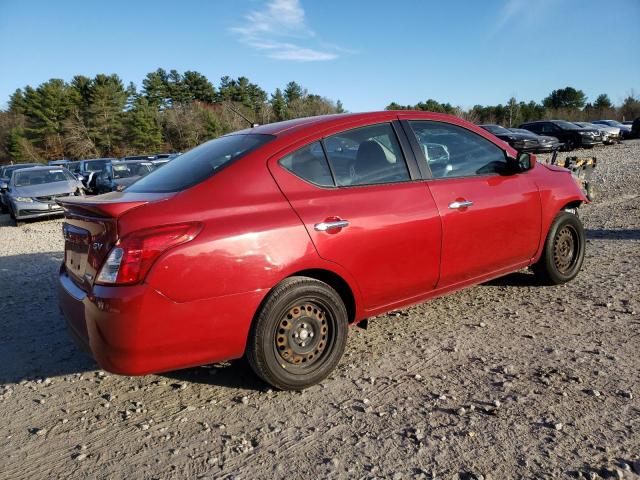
x=34, y=343
x=604, y=234
x=515, y=279
x=33, y=339
x=236, y=374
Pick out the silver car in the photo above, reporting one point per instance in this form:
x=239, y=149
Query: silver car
x=32, y=192
x=609, y=134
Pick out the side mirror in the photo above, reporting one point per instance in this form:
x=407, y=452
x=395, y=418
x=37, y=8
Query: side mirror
x=525, y=161
x=80, y=178
x=4, y=186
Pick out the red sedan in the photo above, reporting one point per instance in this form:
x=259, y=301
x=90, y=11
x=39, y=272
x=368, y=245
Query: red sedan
x=271, y=241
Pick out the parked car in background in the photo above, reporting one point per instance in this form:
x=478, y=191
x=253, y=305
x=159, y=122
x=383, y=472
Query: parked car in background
x=635, y=128
x=625, y=130
x=523, y=140
x=54, y=163
x=572, y=136
x=32, y=192
x=271, y=241
x=522, y=143
x=86, y=170
x=547, y=143
x=5, y=176
x=609, y=134
x=117, y=175
x=139, y=157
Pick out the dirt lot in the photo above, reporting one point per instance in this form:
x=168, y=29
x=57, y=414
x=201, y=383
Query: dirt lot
x=504, y=380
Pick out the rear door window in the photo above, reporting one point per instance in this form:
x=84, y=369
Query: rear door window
x=367, y=156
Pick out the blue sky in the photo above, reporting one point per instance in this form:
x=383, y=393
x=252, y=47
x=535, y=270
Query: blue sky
x=366, y=53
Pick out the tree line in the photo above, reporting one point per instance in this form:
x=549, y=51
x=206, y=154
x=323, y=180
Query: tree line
x=173, y=111
x=565, y=103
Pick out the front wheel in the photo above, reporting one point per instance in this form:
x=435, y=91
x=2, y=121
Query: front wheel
x=299, y=335
x=563, y=252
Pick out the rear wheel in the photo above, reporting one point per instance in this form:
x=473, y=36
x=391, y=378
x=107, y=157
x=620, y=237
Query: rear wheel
x=299, y=334
x=563, y=252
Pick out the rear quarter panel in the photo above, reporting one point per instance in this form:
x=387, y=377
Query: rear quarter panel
x=251, y=237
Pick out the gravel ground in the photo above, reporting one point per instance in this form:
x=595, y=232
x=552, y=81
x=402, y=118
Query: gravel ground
x=503, y=380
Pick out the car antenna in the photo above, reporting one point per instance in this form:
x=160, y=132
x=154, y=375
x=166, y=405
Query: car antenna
x=253, y=124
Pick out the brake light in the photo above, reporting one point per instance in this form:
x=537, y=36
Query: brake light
x=132, y=257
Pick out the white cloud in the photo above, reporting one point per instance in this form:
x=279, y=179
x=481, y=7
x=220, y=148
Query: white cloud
x=279, y=31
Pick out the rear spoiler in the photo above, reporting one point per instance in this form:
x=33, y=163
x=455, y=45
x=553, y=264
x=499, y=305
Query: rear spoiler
x=110, y=205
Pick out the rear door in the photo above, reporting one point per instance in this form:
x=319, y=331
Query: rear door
x=366, y=209
x=490, y=215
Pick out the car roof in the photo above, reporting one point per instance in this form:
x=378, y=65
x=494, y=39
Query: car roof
x=44, y=167
x=313, y=124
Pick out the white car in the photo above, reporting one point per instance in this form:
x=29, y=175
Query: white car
x=625, y=130
x=609, y=134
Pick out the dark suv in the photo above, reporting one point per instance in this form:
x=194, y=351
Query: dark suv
x=570, y=134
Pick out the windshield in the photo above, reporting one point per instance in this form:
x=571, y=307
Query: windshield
x=40, y=177
x=497, y=129
x=131, y=170
x=199, y=164
x=95, y=165
x=566, y=125
x=7, y=171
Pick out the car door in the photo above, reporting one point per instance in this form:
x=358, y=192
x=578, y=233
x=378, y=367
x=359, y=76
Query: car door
x=490, y=215
x=365, y=211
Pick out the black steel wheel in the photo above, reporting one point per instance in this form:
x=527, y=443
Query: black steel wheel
x=563, y=251
x=299, y=334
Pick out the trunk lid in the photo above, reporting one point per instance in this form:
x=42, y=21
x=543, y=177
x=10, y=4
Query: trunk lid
x=91, y=229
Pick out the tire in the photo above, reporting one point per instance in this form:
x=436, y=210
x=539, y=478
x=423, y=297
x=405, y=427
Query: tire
x=569, y=145
x=563, y=252
x=298, y=335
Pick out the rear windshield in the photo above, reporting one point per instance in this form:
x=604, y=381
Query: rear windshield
x=199, y=164
x=95, y=165
x=39, y=177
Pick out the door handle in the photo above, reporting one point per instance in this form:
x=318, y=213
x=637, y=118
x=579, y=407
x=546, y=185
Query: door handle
x=460, y=204
x=324, y=226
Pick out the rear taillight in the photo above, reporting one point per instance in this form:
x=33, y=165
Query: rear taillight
x=132, y=257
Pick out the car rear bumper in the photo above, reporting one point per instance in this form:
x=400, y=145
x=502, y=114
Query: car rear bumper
x=135, y=330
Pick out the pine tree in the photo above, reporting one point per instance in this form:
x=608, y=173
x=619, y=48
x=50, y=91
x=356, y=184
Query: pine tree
x=155, y=87
x=603, y=101
x=279, y=105
x=198, y=87
x=293, y=92
x=17, y=102
x=108, y=98
x=144, y=132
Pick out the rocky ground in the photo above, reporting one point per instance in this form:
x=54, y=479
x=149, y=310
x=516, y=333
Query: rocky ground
x=503, y=380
